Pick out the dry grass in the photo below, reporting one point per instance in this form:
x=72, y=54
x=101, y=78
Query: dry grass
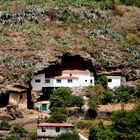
x=128, y=21
x=32, y=127
x=115, y=107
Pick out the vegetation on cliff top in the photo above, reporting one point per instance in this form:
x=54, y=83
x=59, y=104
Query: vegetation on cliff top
x=33, y=33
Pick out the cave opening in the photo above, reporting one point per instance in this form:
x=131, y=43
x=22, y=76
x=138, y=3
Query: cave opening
x=68, y=62
x=4, y=99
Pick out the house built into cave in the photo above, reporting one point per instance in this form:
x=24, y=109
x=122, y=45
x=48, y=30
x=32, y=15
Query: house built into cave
x=68, y=78
x=72, y=71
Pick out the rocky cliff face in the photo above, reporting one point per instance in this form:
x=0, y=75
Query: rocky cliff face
x=106, y=41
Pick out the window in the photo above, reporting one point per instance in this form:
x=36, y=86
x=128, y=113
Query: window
x=37, y=80
x=85, y=80
x=91, y=81
x=109, y=80
x=70, y=74
x=69, y=80
x=21, y=97
x=57, y=129
x=43, y=129
x=58, y=80
x=47, y=80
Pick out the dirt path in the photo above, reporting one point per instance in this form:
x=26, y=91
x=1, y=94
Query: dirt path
x=29, y=118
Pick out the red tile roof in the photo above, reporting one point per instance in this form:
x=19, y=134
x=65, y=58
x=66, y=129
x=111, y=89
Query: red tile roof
x=55, y=125
x=66, y=77
x=75, y=71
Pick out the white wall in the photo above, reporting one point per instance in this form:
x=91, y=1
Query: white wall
x=116, y=81
x=38, y=86
x=51, y=131
x=83, y=79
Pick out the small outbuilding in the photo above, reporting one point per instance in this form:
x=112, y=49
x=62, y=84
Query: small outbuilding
x=42, y=106
x=17, y=96
x=114, y=79
x=51, y=130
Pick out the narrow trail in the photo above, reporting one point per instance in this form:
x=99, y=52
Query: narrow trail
x=30, y=118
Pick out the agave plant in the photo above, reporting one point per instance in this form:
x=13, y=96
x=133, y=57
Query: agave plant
x=6, y=16
x=30, y=12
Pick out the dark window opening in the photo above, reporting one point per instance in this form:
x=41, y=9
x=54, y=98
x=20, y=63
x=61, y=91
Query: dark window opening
x=58, y=80
x=21, y=97
x=69, y=80
x=37, y=80
x=57, y=129
x=43, y=129
x=91, y=81
x=85, y=80
x=47, y=80
x=109, y=80
x=70, y=74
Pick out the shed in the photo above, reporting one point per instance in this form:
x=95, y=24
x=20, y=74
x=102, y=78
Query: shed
x=52, y=130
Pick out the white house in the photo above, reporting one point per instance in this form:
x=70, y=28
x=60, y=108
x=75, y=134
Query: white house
x=51, y=130
x=115, y=81
x=68, y=78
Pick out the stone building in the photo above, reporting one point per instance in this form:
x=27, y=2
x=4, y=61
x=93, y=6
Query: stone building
x=17, y=96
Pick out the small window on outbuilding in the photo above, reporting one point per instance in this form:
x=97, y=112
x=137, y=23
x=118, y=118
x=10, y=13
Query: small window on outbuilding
x=85, y=80
x=91, y=81
x=37, y=80
x=58, y=80
x=69, y=80
x=109, y=80
x=43, y=129
x=57, y=129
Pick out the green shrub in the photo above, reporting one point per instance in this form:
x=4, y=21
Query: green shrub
x=5, y=125
x=57, y=117
x=132, y=39
x=75, y=101
x=101, y=132
x=102, y=80
x=125, y=124
x=68, y=136
x=84, y=124
x=11, y=138
x=91, y=113
x=125, y=94
x=19, y=131
x=108, y=96
x=94, y=102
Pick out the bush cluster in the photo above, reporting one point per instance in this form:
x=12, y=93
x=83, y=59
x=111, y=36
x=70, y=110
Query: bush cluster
x=124, y=126
x=62, y=97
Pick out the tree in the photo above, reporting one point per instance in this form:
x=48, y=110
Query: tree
x=68, y=136
x=108, y=96
x=101, y=132
x=102, y=80
x=75, y=101
x=59, y=97
x=57, y=117
x=126, y=124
